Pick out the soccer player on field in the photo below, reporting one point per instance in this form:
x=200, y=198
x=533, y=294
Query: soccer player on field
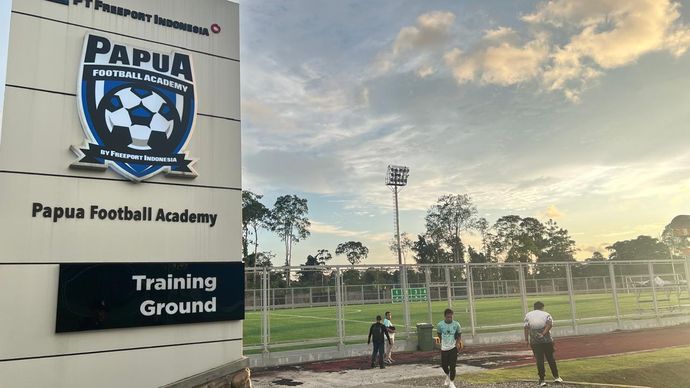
x=538, y=325
x=377, y=331
x=391, y=331
x=449, y=333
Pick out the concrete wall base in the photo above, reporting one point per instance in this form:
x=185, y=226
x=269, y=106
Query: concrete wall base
x=231, y=375
x=319, y=354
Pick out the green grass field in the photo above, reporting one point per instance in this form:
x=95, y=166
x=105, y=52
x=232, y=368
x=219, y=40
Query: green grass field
x=294, y=325
x=659, y=368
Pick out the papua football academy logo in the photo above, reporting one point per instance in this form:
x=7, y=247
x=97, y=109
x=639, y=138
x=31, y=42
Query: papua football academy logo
x=137, y=108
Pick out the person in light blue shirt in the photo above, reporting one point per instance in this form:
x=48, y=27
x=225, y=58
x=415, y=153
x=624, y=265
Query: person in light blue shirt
x=449, y=336
x=391, y=331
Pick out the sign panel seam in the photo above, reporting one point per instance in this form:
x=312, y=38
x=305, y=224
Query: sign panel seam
x=118, y=180
x=74, y=95
x=127, y=36
x=119, y=349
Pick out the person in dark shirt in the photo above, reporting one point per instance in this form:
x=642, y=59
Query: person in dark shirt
x=377, y=332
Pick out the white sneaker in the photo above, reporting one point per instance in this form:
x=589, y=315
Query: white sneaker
x=542, y=383
x=558, y=380
x=452, y=385
x=447, y=382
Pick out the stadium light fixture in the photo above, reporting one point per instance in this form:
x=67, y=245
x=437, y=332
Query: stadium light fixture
x=396, y=178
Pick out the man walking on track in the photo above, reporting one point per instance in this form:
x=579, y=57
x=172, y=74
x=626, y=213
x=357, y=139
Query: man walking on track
x=538, y=325
x=377, y=332
x=449, y=333
x=391, y=332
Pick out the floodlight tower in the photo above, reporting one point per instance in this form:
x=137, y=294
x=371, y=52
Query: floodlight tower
x=396, y=179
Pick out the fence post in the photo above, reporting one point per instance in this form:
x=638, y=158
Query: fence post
x=614, y=291
x=571, y=296
x=449, y=288
x=311, y=297
x=265, y=283
x=427, y=279
x=606, y=290
x=406, y=300
x=470, y=298
x=339, y=309
x=650, y=267
x=362, y=293
x=292, y=297
x=687, y=275
x=523, y=288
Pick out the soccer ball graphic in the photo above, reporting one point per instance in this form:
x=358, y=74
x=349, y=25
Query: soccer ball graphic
x=138, y=118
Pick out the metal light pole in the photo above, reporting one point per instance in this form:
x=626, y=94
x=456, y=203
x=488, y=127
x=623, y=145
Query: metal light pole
x=396, y=178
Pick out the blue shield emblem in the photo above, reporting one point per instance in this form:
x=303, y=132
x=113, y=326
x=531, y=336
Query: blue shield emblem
x=137, y=109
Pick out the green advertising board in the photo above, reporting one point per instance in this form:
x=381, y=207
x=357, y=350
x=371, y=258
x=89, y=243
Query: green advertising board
x=414, y=294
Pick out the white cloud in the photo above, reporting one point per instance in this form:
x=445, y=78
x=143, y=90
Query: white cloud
x=501, y=33
x=425, y=71
x=612, y=33
x=432, y=30
x=323, y=228
x=500, y=64
x=553, y=212
x=599, y=36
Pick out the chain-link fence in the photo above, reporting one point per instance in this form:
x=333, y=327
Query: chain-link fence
x=309, y=307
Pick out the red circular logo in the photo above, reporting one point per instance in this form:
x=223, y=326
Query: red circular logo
x=215, y=28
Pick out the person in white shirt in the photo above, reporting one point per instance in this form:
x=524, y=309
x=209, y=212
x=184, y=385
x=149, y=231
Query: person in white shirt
x=538, y=324
x=391, y=332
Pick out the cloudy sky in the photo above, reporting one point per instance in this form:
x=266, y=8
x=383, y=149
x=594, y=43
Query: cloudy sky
x=574, y=110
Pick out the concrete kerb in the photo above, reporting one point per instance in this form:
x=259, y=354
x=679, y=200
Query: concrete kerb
x=211, y=375
x=294, y=357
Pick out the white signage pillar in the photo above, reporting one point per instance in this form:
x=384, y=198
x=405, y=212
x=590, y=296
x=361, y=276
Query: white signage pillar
x=120, y=192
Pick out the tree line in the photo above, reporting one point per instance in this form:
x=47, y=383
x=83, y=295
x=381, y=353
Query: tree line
x=510, y=239
x=288, y=219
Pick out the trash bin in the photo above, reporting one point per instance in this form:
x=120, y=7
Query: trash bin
x=425, y=339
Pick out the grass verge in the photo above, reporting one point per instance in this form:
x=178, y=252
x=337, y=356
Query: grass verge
x=668, y=367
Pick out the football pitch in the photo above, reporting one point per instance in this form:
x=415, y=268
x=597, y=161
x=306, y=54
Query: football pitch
x=292, y=325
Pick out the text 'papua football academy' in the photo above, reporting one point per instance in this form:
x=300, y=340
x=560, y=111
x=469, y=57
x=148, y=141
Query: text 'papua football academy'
x=123, y=213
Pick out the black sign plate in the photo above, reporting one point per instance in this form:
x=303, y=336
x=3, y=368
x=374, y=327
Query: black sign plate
x=106, y=296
